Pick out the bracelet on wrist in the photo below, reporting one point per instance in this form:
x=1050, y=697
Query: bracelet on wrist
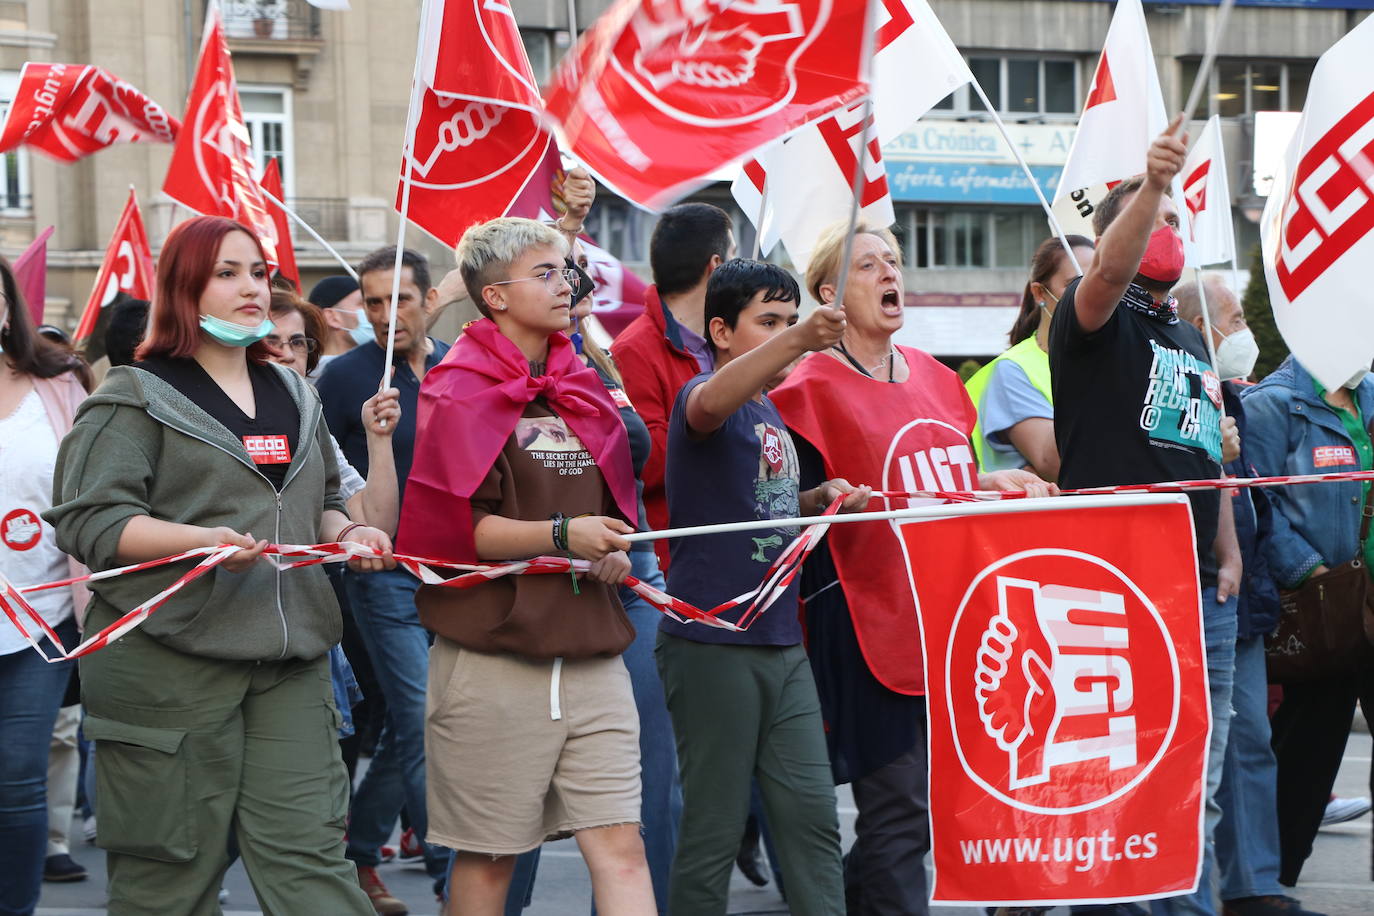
x=574, y=230
x=343, y=535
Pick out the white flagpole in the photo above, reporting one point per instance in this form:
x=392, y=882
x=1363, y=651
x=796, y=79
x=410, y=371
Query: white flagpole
x=991, y=506
x=1204, y=71
x=311, y=230
x=1030, y=176
x=407, y=167
x=857, y=185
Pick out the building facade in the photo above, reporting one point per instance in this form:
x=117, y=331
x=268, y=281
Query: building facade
x=326, y=94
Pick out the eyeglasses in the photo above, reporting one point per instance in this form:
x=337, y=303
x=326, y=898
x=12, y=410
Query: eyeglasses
x=553, y=279
x=298, y=342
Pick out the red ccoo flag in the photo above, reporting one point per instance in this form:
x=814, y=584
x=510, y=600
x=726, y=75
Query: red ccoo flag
x=211, y=170
x=127, y=268
x=69, y=111
x=286, y=252
x=660, y=93
x=477, y=132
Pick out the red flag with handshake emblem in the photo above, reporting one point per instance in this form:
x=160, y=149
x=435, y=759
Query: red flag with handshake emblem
x=69, y=111
x=1067, y=692
x=478, y=137
x=660, y=93
x=211, y=170
x=1317, y=232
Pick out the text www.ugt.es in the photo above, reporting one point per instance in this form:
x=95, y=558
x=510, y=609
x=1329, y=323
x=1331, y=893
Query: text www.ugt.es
x=1083, y=851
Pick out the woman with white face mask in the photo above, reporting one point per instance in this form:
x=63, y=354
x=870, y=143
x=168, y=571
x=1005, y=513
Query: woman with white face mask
x=1012, y=393
x=217, y=712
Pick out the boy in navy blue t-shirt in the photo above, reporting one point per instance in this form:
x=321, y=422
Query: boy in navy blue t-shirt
x=744, y=704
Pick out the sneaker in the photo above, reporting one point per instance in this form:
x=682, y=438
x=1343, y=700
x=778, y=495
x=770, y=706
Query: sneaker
x=411, y=847
x=63, y=868
x=88, y=829
x=382, y=901
x=224, y=895
x=386, y=854
x=1269, y=905
x=1340, y=810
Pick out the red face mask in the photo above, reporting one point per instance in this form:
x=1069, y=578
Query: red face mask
x=1163, y=260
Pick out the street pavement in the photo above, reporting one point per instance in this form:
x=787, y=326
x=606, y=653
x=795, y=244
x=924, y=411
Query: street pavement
x=1335, y=881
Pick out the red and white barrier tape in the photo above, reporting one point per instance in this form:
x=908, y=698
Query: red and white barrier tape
x=780, y=575
x=293, y=556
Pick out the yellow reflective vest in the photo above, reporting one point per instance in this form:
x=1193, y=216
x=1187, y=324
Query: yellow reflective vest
x=1034, y=361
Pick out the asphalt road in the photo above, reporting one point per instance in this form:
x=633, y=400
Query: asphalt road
x=1335, y=881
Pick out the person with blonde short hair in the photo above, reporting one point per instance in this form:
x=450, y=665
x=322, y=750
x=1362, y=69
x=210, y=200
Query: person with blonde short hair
x=531, y=731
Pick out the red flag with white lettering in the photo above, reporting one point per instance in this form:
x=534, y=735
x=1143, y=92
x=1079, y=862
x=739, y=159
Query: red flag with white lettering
x=1123, y=113
x=68, y=111
x=660, y=93
x=127, y=268
x=1317, y=232
x=478, y=136
x=1067, y=699
x=281, y=223
x=212, y=165
x=915, y=65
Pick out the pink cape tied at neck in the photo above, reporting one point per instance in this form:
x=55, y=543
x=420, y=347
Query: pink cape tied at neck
x=469, y=405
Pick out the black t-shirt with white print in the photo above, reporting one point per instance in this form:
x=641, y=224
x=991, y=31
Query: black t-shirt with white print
x=1136, y=401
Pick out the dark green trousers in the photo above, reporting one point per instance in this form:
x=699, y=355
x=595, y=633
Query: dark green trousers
x=742, y=713
x=188, y=748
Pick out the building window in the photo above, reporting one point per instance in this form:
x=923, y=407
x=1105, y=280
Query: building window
x=1242, y=87
x=545, y=48
x=1020, y=87
x=14, y=165
x=267, y=114
x=935, y=238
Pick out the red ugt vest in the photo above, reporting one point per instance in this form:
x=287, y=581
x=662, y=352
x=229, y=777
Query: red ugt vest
x=896, y=437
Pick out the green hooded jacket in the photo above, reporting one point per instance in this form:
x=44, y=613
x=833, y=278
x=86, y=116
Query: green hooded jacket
x=141, y=447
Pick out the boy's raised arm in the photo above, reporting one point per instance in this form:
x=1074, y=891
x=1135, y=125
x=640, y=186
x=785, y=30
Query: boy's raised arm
x=743, y=378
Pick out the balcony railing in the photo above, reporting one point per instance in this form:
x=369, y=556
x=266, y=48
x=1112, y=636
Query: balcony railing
x=326, y=215
x=271, y=20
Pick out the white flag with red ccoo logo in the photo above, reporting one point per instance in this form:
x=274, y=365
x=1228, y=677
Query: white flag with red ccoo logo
x=915, y=65
x=1207, y=195
x=1317, y=232
x=1122, y=115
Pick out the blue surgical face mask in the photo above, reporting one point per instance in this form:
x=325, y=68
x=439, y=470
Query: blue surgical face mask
x=235, y=335
x=362, y=332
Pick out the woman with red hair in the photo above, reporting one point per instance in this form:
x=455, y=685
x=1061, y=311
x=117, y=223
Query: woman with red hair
x=216, y=715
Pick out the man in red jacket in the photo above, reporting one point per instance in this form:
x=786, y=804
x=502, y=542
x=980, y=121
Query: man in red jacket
x=664, y=348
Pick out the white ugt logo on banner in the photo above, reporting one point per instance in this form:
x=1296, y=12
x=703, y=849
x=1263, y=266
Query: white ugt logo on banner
x=1038, y=671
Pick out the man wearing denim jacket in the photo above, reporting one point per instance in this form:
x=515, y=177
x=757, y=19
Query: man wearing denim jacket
x=1296, y=427
x=1247, y=837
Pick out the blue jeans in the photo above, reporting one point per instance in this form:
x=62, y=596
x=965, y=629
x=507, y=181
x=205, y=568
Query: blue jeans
x=32, y=690
x=661, y=796
x=384, y=609
x=1247, y=838
x=661, y=805
x=1219, y=630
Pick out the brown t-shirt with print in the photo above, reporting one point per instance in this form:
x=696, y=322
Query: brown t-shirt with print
x=542, y=469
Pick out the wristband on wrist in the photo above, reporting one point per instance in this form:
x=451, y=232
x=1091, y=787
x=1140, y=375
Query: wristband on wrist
x=343, y=535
